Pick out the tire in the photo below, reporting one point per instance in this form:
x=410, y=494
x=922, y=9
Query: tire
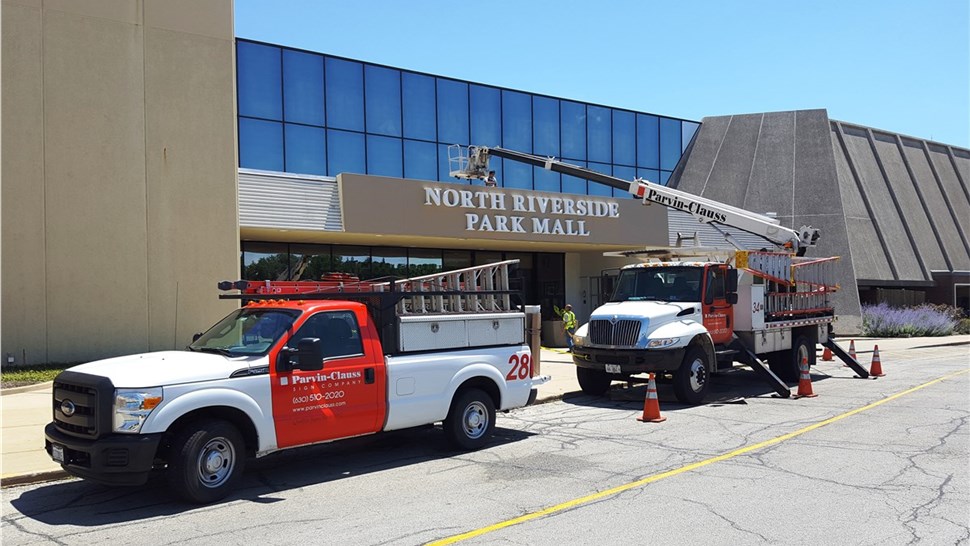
x=470, y=420
x=206, y=461
x=594, y=382
x=787, y=364
x=693, y=379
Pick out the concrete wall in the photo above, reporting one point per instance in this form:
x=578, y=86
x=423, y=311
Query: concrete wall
x=119, y=175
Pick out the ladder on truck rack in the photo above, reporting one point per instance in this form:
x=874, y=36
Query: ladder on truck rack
x=801, y=285
x=478, y=289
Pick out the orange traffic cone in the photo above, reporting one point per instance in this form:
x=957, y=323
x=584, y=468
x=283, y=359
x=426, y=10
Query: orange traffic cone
x=875, y=370
x=805, y=382
x=651, y=406
x=851, y=351
x=827, y=355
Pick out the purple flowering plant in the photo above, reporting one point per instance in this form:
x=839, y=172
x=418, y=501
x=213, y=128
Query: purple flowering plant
x=924, y=320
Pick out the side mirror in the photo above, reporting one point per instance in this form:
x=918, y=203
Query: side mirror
x=732, y=298
x=731, y=282
x=196, y=336
x=309, y=356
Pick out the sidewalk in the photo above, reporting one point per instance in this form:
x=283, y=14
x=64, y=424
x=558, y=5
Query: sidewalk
x=26, y=410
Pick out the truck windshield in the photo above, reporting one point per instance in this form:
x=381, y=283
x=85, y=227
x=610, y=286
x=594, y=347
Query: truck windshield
x=245, y=332
x=659, y=284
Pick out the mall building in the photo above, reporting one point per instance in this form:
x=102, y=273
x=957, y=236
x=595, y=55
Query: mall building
x=149, y=153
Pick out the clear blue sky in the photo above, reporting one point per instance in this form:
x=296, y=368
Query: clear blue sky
x=902, y=66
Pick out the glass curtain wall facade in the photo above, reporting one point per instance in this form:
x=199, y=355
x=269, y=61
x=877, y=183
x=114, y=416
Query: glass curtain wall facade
x=308, y=113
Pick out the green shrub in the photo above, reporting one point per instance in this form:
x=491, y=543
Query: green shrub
x=963, y=327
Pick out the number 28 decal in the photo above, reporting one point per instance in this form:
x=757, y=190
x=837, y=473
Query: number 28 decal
x=521, y=367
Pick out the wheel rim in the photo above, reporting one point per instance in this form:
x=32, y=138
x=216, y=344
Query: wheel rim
x=698, y=375
x=802, y=356
x=475, y=420
x=216, y=461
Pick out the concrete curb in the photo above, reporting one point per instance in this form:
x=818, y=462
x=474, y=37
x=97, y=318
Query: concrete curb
x=27, y=388
x=31, y=479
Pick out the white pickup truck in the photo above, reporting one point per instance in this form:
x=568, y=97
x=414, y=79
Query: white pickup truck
x=276, y=374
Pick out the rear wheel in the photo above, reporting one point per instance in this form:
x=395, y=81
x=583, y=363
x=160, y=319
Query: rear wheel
x=471, y=419
x=206, y=461
x=692, y=380
x=594, y=382
x=787, y=364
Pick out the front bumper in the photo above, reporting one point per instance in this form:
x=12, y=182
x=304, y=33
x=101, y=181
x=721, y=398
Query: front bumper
x=116, y=459
x=631, y=361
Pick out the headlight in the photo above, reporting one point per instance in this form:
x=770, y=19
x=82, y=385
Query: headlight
x=579, y=338
x=133, y=406
x=661, y=343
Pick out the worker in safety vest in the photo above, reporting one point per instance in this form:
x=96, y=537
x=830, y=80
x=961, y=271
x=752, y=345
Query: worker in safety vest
x=569, y=324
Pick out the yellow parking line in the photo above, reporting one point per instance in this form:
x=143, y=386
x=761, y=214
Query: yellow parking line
x=693, y=466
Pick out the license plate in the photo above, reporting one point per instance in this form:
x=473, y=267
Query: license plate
x=612, y=368
x=57, y=452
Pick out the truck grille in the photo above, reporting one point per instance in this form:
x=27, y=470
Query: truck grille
x=78, y=405
x=623, y=333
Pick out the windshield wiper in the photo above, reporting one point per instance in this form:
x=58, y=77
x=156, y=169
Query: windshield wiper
x=217, y=350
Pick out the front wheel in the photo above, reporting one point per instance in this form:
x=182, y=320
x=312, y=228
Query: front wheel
x=692, y=381
x=594, y=382
x=206, y=461
x=470, y=420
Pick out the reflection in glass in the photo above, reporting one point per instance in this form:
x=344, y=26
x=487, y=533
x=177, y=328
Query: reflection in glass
x=420, y=160
x=452, y=111
x=303, y=87
x=545, y=123
x=260, y=144
x=516, y=124
x=310, y=262
x=345, y=94
x=573, y=129
x=648, y=141
x=456, y=259
x=599, y=134
x=352, y=259
x=389, y=262
x=346, y=152
x=306, y=149
x=486, y=115
x=624, y=138
x=384, y=156
x=423, y=261
x=258, y=77
x=670, y=148
x=688, y=129
x=383, y=100
x=419, y=109
x=265, y=261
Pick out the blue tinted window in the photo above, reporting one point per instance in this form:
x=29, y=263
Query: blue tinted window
x=665, y=177
x=259, y=74
x=669, y=143
x=306, y=149
x=384, y=156
x=486, y=114
x=383, y=100
x=545, y=126
x=688, y=131
x=419, y=110
x=517, y=122
x=626, y=174
x=303, y=87
x=573, y=117
x=517, y=175
x=648, y=141
x=546, y=180
x=650, y=175
x=345, y=153
x=452, y=112
x=624, y=138
x=420, y=160
x=598, y=134
x=260, y=144
x=572, y=184
x=597, y=188
x=345, y=94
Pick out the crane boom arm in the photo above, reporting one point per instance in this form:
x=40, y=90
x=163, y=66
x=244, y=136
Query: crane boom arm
x=474, y=164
